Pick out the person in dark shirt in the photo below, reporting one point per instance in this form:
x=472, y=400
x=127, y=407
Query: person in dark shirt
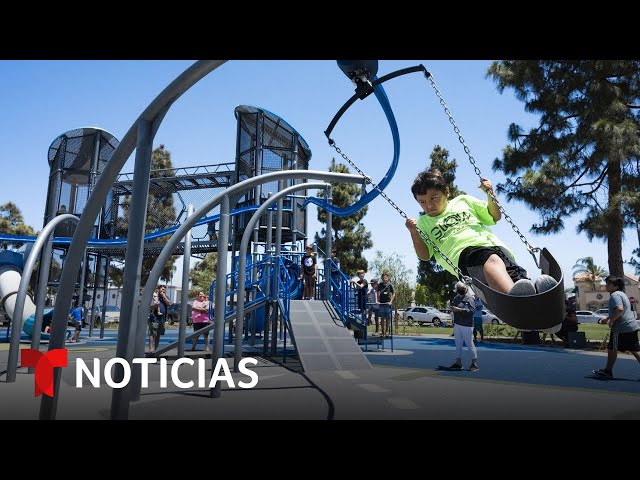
x=385, y=297
x=463, y=308
x=309, y=273
x=362, y=287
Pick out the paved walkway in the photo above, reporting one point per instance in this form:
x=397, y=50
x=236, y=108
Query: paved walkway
x=514, y=382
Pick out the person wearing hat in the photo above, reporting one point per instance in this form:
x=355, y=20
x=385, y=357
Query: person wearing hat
x=309, y=269
x=463, y=307
x=374, y=308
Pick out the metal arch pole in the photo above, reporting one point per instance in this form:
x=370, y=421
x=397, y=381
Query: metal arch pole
x=244, y=246
x=18, y=311
x=281, y=186
x=184, y=295
x=41, y=294
x=237, y=189
x=221, y=291
x=127, y=326
x=160, y=104
x=267, y=276
x=273, y=305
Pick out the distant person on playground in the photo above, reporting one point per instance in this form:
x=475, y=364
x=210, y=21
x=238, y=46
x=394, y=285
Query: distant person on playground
x=362, y=286
x=459, y=229
x=385, y=295
x=623, y=325
x=309, y=274
x=374, y=308
x=75, y=317
x=200, y=319
x=463, y=308
x=477, y=321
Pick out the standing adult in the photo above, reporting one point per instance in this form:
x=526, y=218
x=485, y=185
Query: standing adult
x=362, y=287
x=309, y=275
x=477, y=321
x=374, y=308
x=385, y=297
x=200, y=319
x=156, y=328
x=463, y=307
x=75, y=317
x=623, y=325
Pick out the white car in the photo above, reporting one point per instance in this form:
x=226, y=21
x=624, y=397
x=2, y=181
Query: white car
x=111, y=315
x=488, y=317
x=585, y=316
x=424, y=315
x=603, y=311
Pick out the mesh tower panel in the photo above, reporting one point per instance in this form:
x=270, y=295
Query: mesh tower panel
x=76, y=159
x=266, y=143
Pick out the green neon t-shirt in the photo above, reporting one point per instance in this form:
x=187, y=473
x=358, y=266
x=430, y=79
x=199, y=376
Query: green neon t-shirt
x=461, y=225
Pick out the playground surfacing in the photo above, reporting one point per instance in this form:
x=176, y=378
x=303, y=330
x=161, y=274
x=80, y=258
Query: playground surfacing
x=514, y=382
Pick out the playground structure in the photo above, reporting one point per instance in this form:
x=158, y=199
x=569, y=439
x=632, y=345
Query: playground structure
x=236, y=209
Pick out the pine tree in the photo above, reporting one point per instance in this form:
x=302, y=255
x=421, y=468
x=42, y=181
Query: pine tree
x=203, y=274
x=161, y=214
x=350, y=236
x=438, y=281
x=583, y=155
x=12, y=223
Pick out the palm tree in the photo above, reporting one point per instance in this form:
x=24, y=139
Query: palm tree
x=586, y=265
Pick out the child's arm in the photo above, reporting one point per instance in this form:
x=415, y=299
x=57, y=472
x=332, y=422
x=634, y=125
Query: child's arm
x=486, y=186
x=421, y=248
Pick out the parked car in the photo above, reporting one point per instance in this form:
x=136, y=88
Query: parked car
x=603, y=311
x=424, y=315
x=585, y=316
x=489, y=317
x=173, y=313
x=111, y=315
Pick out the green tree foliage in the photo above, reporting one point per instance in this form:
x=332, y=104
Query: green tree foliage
x=421, y=296
x=12, y=223
x=161, y=213
x=586, y=265
x=399, y=275
x=582, y=157
x=203, y=274
x=351, y=239
x=439, y=282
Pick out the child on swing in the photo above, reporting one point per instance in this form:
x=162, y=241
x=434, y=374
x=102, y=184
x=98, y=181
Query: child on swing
x=459, y=228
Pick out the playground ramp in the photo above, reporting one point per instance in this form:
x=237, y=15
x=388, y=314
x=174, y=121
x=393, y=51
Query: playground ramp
x=322, y=341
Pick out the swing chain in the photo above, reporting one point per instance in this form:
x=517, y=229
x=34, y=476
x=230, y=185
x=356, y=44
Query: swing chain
x=466, y=279
x=472, y=160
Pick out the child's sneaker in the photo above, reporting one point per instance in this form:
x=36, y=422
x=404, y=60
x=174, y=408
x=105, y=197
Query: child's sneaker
x=545, y=282
x=602, y=372
x=474, y=368
x=455, y=366
x=523, y=288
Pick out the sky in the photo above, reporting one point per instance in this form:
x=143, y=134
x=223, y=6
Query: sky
x=39, y=100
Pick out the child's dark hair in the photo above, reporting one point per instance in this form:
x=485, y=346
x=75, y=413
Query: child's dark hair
x=430, y=178
x=618, y=282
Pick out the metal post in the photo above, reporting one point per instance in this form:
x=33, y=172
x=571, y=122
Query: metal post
x=329, y=245
x=96, y=275
x=281, y=187
x=221, y=290
x=184, y=297
x=268, y=275
x=105, y=292
x=128, y=325
x=41, y=294
x=83, y=273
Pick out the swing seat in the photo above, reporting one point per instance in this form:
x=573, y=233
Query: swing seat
x=533, y=312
